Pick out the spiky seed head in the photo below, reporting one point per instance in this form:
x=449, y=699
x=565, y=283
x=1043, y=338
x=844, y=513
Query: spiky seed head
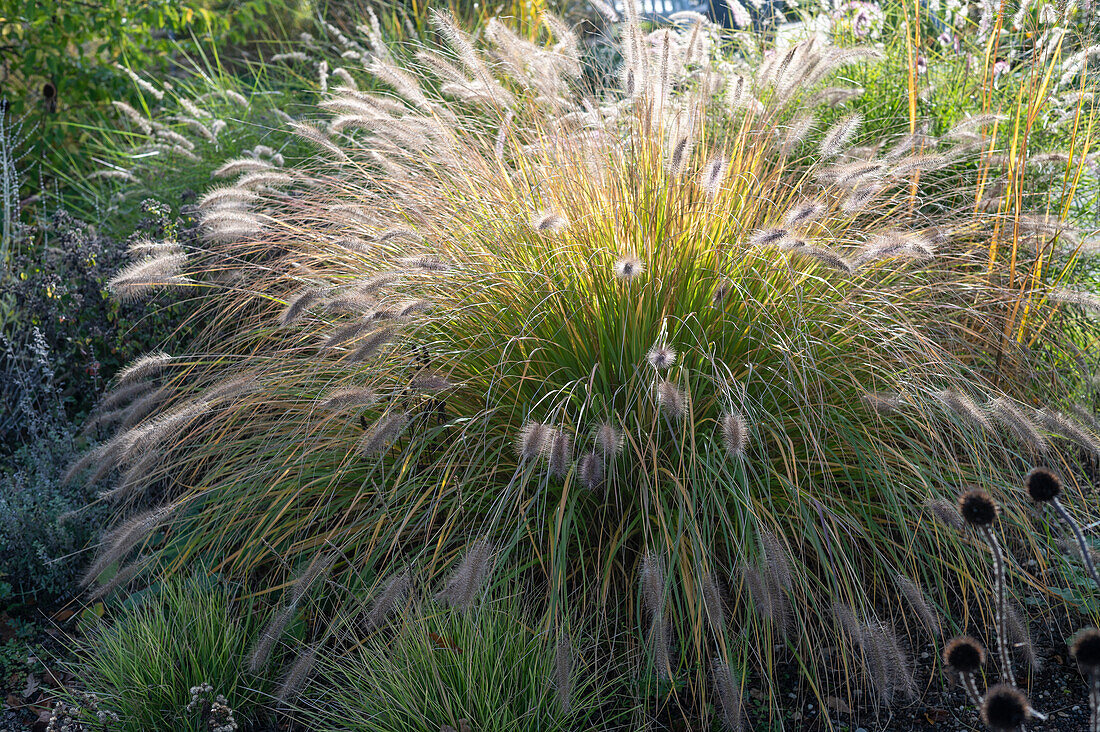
x=964, y=654
x=735, y=433
x=1043, y=485
x=1005, y=708
x=591, y=471
x=609, y=439
x=671, y=399
x=1085, y=649
x=661, y=357
x=560, y=455
x=977, y=508
x=548, y=221
x=628, y=267
x=533, y=440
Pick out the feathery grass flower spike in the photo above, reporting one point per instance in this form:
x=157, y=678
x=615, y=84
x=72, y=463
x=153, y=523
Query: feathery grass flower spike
x=1045, y=488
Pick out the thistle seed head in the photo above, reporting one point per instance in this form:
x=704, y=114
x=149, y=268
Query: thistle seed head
x=1043, y=485
x=1005, y=708
x=964, y=654
x=1085, y=649
x=977, y=508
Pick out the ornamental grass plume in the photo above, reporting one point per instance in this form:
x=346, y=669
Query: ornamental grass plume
x=542, y=333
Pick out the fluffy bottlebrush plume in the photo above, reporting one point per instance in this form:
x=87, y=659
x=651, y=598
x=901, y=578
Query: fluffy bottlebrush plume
x=145, y=247
x=392, y=594
x=123, y=578
x=727, y=694
x=430, y=384
x=466, y=582
x=628, y=268
x=825, y=256
x=591, y=470
x=371, y=344
x=142, y=278
x=125, y=392
x=264, y=179
x=919, y=604
x=261, y=650
x=977, y=121
x=652, y=578
x=713, y=605
x=710, y=177
x=804, y=212
x=882, y=402
x=383, y=433
x=609, y=439
x=671, y=399
x=139, y=120
x=912, y=163
x=563, y=672
x=769, y=600
x=230, y=196
x=963, y=406
x=1062, y=425
x=1044, y=487
x=1005, y=708
x=142, y=408
x=965, y=656
x=350, y=332
x=735, y=434
x=295, y=56
x=895, y=245
x=1019, y=636
x=297, y=306
x=118, y=542
x=946, y=512
x=839, y=135
x=768, y=237
x=534, y=440
x=661, y=356
x=1005, y=411
x=885, y=661
x=1069, y=296
x=559, y=453
x=298, y=674
x=232, y=388
x=681, y=152
x=797, y=130
x=240, y=165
